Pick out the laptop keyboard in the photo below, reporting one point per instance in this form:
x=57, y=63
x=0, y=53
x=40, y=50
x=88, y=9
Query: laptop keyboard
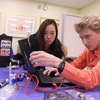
x=48, y=79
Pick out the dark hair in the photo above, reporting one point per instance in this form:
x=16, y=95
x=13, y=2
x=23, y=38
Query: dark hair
x=41, y=32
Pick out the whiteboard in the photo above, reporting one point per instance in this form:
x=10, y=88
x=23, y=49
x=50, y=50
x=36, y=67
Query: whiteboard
x=69, y=36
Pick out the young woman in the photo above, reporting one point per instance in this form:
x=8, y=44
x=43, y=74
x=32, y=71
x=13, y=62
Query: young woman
x=46, y=40
x=89, y=32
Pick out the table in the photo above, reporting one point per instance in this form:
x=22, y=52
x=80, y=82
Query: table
x=37, y=95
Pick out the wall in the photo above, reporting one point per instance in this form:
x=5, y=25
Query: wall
x=29, y=8
x=91, y=9
x=69, y=36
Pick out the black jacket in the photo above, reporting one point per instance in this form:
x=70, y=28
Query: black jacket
x=33, y=42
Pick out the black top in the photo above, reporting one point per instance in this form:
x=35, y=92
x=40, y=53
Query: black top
x=33, y=41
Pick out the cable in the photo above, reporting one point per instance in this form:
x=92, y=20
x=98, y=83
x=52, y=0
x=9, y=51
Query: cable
x=71, y=87
x=36, y=83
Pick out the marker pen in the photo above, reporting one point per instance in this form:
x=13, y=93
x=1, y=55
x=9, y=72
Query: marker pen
x=3, y=83
x=10, y=74
x=9, y=68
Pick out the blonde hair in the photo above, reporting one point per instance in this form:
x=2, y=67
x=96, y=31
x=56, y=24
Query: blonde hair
x=64, y=49
x=93, y=22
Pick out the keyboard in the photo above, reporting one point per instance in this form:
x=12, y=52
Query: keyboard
x=49, y=79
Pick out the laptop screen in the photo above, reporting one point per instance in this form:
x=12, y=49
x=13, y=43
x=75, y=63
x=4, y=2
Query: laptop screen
x=26, y=50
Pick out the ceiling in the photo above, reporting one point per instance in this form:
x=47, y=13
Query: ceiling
x=68, y=3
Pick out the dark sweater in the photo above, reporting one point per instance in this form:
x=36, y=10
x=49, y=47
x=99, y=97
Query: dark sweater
x=33, y=41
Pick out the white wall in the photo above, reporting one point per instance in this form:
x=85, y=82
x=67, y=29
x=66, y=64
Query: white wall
x=91, y=9
x=29, y=8
x=69, y=36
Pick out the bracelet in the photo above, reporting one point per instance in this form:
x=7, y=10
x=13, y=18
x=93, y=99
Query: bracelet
x=61, y=66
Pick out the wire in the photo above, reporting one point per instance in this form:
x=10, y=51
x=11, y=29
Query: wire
x=36, y=83
x=71, y=87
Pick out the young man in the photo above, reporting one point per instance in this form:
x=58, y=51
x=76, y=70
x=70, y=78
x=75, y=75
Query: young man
x=89, y=31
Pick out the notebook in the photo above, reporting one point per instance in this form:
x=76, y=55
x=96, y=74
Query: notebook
x=5, y=50
x=44, y=80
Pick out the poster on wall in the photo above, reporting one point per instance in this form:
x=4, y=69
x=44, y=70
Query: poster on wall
x=19, y=26
x=5, y=45
x=43, y=19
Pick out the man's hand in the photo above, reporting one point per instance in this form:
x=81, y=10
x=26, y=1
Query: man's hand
x=50, y=70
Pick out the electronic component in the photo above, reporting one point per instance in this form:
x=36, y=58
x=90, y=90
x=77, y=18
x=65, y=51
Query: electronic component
x=79, y=95
x=14, y=78
x=3, y=83
x=21, y=77
x=59, y=95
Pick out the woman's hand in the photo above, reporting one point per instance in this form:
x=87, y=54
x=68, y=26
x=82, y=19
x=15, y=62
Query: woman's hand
x=41, y=58
x=50, y=70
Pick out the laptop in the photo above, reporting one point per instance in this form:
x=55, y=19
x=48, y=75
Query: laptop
x=5, y=50
x=44, y=80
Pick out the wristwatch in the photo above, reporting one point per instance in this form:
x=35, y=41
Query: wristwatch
x=61, y=67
